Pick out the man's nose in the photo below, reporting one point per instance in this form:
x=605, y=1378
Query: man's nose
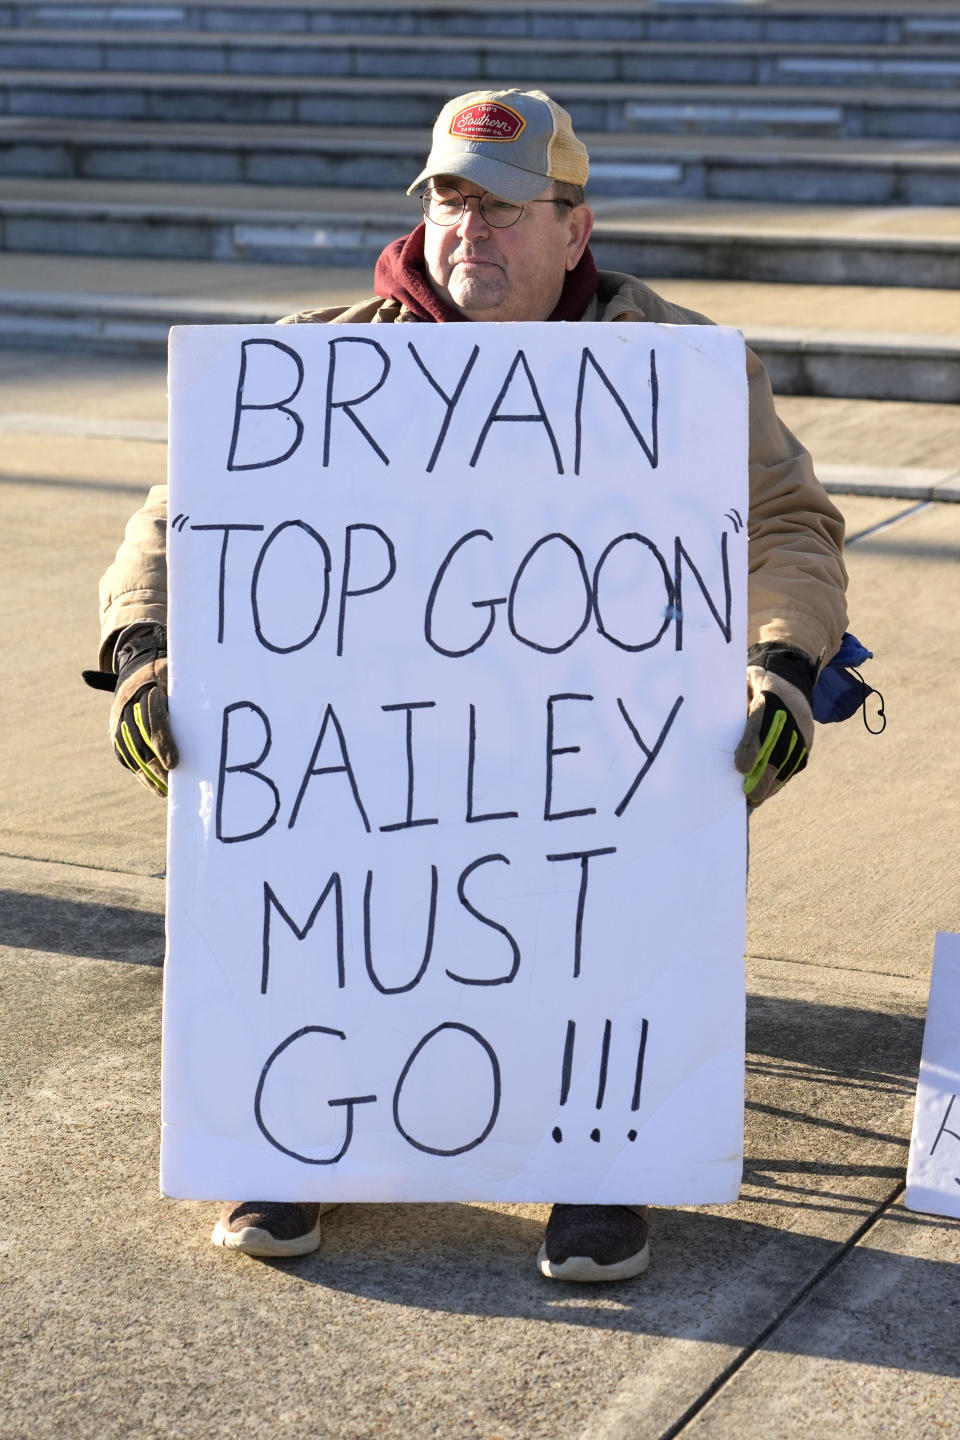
x=471, y=221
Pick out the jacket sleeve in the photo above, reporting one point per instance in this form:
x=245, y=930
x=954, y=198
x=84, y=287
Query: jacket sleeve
x=797, y=579
x=133, y=589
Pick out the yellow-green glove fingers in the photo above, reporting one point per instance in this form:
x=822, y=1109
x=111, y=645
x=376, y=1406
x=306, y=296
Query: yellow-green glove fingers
x=755, y=775
x=157, y=763
x=781, y=752
x=155, y=717
x=121, y=756
x=136, y=749
x=145, y=770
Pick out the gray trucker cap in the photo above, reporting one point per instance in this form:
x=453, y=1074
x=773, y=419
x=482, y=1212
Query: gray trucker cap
x=512, y=142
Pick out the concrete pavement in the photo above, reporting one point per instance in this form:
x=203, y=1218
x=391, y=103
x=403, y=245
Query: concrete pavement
x=816, y=1304
x=857, y=341
x=908, y=245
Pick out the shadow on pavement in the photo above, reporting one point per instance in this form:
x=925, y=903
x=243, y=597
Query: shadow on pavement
x=80, y=927
x=881, y=544
x=718, y=1277
x=876, y=1048
x=829, y=1092
x=714, y=1278
x=63, y=482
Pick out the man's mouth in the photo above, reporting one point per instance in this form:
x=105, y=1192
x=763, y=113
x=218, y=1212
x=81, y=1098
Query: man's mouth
x=473, y=260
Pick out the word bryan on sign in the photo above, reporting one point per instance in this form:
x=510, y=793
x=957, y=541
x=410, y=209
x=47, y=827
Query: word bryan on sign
x=457, y=847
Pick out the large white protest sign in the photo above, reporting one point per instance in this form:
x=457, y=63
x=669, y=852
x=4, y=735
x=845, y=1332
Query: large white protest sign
x=457, y=846
x=933, y=1169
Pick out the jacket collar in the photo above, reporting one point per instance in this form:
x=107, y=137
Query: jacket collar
x=618, y=297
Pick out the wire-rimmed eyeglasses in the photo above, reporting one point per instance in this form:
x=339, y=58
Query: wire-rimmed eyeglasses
x=445, y=205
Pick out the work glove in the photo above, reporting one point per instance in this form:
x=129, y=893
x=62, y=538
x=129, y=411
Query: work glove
x=139, y=720
x=779, y=730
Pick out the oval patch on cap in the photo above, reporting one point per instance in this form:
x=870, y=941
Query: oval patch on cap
x=487, y=120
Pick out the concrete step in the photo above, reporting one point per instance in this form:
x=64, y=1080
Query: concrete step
x=232, y=223
x=860, y=447
x=858, y=344
x=909, y=246
x=726, y=167
x=479, y=61
x=789, y=244
x=811, y=111
x=886, y=22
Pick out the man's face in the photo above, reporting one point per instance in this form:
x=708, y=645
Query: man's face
x=515, y=273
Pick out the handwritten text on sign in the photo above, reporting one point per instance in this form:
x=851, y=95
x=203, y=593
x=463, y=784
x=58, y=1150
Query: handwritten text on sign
x=456, y=841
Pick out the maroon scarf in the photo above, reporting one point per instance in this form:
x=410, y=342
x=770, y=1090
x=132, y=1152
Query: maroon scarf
x=400, y=275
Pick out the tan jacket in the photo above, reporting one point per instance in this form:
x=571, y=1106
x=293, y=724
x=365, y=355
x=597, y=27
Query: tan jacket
x=797, y=577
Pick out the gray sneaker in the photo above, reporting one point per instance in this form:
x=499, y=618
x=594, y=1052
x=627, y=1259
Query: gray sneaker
x=595, y=1242
x=270, y=1228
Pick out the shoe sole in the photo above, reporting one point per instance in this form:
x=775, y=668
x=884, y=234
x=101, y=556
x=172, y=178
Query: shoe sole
x=251, y=1240
x=582, y=1268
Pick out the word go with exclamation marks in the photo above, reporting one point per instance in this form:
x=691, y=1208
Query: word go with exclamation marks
x=566, y=1072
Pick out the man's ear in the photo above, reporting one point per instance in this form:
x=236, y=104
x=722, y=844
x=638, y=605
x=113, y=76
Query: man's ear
x=579, y=226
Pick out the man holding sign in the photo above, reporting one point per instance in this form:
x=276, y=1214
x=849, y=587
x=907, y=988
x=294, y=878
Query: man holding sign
x=505, y=238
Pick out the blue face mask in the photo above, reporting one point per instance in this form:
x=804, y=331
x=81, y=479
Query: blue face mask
x=841, y=691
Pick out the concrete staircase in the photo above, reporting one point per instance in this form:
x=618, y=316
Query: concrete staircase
x=730, y=143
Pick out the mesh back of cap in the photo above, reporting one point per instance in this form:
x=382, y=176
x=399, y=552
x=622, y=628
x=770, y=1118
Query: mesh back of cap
x=567, y=157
